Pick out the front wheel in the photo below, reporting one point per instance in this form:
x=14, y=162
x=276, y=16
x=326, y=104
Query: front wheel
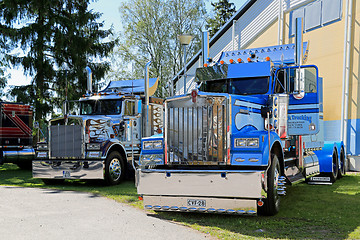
x=114, y=169
x=272, y=202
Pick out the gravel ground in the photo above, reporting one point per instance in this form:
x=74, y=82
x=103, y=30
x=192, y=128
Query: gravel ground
x=30, y=213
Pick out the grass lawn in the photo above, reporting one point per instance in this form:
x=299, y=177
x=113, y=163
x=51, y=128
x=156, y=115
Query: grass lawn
x=311, y=212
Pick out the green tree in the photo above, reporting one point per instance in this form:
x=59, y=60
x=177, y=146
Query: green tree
x=223, y=10
x=60, y=38
x=150, y=30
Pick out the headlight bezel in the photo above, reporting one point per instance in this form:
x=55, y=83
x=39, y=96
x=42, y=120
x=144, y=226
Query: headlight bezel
x=43, y=147
x=246, y=143
x=93, y=146
x=152, y=145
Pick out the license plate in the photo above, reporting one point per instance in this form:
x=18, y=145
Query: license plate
x=66, y=174
x=196, y=203
x=321, y=179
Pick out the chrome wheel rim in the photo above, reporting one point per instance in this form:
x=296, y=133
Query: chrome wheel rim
x=115, y=169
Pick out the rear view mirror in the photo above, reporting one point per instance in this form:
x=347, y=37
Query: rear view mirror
x=299, y=83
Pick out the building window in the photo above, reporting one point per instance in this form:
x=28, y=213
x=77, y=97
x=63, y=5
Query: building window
x=316, y=14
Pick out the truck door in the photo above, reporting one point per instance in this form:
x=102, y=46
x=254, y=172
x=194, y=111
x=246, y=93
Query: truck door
x=132, y=120
x=304, y=101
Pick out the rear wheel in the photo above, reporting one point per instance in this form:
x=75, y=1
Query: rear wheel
x=114, y=169
x=342, y=169
x=272, y=202
x=334, y=167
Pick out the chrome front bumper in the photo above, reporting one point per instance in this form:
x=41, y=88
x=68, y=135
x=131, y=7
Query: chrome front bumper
x=217, y=190
x=68, y=169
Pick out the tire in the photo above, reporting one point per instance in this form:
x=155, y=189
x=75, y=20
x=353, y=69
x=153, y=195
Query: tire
x=342, y=170
x=48, y=181
x=114, y=169
x=272, y=202
x=334, y=167
x=25, y=165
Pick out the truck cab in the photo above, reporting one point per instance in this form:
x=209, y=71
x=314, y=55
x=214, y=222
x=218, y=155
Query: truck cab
x=103, y=141
x=254, y=124
x=16, y=140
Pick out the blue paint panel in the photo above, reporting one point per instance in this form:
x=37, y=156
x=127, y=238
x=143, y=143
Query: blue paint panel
x=248, y=70
x=325, y=157
x=247, y=153
x=310, y=98
x=303, y=123
x=250, y=110
x=311, y=110
x=243, y=114
x=255, y=99
x=152, y=138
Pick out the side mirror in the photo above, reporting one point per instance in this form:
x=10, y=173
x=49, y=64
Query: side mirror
x=299, y=83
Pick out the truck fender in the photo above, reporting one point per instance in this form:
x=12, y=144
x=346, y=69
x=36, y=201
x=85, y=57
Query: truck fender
x=114, y=146
x=275, y=148
x=325, y=155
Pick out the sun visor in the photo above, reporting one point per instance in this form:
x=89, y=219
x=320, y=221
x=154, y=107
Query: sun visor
x=248, y=70
x=136, y=86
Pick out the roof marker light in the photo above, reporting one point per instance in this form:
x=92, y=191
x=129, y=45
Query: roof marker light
x=239, y=60
x=249, y=59
x=205, y=64
x=267, y=59
x=231, y=60
x=222, y=62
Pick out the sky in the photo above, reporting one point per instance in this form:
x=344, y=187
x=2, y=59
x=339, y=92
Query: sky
x=111, y=17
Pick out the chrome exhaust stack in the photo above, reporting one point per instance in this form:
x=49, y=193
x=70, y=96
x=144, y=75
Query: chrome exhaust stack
x=89, y=79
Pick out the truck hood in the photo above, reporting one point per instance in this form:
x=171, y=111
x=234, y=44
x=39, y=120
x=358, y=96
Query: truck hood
x=99, y=128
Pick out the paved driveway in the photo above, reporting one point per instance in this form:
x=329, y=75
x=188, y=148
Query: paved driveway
x=27, y=213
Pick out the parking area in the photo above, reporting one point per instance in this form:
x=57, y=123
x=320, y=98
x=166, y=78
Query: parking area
x=29, y=213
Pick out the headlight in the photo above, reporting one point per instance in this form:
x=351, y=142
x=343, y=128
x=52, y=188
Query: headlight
x=247, y=142
x=240, y=142
x=42, y=147
x=93, y=146
x=149, y=145
x=253, y=142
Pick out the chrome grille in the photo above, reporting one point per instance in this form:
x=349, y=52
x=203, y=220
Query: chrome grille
x=66, y=141
x=196, y=132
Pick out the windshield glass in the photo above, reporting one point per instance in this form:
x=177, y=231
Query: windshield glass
x=241, y=86
x=101, y=107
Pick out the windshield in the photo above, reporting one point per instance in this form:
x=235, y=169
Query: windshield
x=101, y=107
x=241, y=86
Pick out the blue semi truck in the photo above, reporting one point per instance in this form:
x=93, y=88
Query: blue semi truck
x=254, y=124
